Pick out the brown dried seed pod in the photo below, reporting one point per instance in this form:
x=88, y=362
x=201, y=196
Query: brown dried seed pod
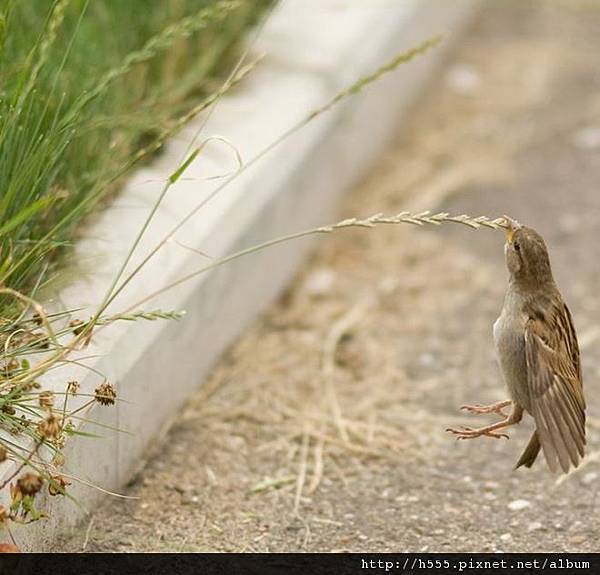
x=57, y=485
x=37, y=318
x=3, y=453
x=41, y=340
x=46, y=399
x=105, y=394
x=72, y=387
x=50, y=427
x=30, y=483
x=77, y=326
x=10, y=366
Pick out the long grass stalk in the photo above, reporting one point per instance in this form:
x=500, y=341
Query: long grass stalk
x=355, y=88
x=420, y=219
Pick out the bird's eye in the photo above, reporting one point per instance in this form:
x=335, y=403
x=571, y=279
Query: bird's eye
x=517, y=246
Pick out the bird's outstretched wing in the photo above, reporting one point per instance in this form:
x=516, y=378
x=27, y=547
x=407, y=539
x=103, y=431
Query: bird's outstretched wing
x=555, y=386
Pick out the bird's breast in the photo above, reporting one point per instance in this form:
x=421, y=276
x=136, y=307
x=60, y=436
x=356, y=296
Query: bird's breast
x=509, y=339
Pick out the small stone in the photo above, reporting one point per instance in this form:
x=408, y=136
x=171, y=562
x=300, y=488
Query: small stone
x=407, y=499
x=589, y=478
x=320, y=282
x=519, y=504
x=505, y=537
x=587, y=138
x=534, y=526
x=388, y=285
x=463, y=79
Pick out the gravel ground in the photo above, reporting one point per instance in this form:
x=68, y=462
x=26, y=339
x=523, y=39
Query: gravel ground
x=323, y=428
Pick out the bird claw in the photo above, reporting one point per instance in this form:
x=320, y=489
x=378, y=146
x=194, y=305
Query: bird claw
x=470, y=433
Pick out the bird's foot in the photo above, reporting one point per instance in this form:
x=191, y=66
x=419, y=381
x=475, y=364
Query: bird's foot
x=496, y=408
x=470, y=433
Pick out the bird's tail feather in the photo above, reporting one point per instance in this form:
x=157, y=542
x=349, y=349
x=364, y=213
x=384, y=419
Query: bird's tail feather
x=531, y=452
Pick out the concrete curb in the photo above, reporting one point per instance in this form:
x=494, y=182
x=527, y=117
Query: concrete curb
x=311, y=55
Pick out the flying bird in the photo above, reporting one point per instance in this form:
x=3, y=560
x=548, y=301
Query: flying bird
x=538, y=354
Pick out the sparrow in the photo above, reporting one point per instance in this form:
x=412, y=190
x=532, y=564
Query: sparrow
x=537, y=350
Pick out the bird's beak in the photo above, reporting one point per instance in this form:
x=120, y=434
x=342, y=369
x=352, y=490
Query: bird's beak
x=511, y=227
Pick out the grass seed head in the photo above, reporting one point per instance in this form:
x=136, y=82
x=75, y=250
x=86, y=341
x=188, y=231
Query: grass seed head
x=8, y=409
x=77, y=326
x=58, y=485
x=73, y=387
x=37, y=318
x=50, y=427
x=46, y=399
x=105, y=394
x=9, y=367
x=30, y=483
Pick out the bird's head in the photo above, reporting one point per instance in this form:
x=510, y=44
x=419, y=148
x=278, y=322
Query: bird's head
x=526, y=255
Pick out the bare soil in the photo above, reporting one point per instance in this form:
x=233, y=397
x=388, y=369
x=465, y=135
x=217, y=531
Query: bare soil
x=323, y=429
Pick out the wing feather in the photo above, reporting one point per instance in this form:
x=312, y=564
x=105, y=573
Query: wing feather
x=555, y=386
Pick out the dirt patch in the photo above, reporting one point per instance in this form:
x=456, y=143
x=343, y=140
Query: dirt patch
x=323, y=428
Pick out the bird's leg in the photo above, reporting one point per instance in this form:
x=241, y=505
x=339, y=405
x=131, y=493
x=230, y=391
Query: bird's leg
x=497, y=408
x=489, y=430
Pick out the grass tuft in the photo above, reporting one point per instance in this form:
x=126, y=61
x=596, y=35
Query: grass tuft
x=87, y=89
